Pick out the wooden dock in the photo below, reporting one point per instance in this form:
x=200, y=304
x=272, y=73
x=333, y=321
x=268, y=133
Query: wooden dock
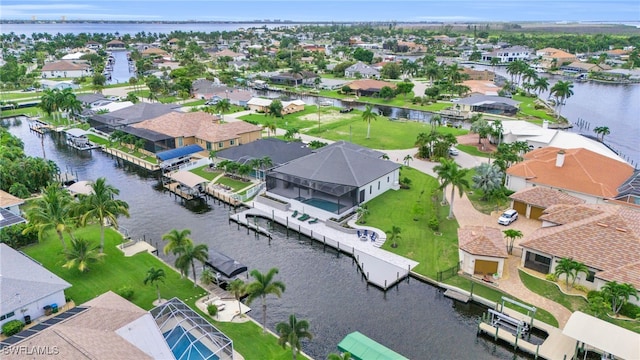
x=450, y=293
x=507, y=336
x=174, y=187
x=223, y=196
x=131, y=159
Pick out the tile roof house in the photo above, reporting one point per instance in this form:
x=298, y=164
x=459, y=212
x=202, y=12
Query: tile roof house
x=10, y=202
x=333, y=180
x=66, y=69
x=605, y=237
x=368, y=87
x=578, y=172
x=531, y=202
x=116, y=44
x=482, y=250
x=201, y=129
x=361, y=69
x=26, y=286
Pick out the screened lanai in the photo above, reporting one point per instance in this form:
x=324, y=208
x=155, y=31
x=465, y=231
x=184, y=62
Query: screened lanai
x=188, y=335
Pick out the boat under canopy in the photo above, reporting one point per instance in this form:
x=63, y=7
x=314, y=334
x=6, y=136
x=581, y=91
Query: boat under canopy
x=224, y=265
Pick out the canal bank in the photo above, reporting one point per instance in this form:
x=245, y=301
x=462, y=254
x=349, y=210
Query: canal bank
x=412, y=318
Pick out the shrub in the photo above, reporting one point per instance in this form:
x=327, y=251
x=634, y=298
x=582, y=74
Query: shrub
x=630, y=310
x=212, y=309
x=552, y=277
x=581, y=288
x=12, y=236
x=434, y=224
x=12, y=327
x=126, y=292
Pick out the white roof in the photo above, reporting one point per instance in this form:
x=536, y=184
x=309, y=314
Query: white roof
x=188, y=178
x=259, y=101
x=73, y=56
x=294, y=102
x=114, y=106
x=81, y=187
x=146, y=336
x=76, y=132
x=615, y=340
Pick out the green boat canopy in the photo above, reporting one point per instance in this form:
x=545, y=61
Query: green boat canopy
x=362, y=348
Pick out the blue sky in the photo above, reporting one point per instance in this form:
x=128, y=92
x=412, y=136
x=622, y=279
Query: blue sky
x=327, y=10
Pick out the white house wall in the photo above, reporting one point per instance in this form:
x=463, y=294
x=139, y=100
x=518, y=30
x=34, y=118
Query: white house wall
x=380, y=185
x=516, y=183
x=35, y=309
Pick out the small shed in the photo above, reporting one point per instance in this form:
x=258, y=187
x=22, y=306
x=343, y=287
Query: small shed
x=482, y=250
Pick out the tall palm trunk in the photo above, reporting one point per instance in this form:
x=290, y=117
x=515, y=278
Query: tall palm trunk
x=193, y=269
x=264, y=314
x=453, y=193
x=368, y=129
x=64, y=245
x=158, y=290
x=44, y=155
x=101, y=236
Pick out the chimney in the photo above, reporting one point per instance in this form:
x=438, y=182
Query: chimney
x=560, y=158
x=545, y=124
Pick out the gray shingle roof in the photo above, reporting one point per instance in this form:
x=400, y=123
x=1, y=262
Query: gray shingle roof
x=340, y=163
x=280, y=152
x=135, y=113
x=23, y=281
x=487, y=99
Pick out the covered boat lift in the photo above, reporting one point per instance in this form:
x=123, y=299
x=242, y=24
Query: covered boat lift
x=225, y=267
x=363, y=348
x=611, y=339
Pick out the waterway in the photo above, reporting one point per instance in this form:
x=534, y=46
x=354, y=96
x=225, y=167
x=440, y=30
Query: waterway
x=412, y=318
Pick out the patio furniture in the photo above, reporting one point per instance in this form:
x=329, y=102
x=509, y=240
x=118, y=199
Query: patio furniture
x=373, y=236
x=366, y=232
x=295, y=214
x=359, y=234
x=304, y=217
x=315, y=220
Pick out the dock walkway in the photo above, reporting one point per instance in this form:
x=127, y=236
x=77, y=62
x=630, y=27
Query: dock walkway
x=380, y=267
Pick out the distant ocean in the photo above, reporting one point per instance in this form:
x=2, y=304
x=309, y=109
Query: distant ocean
x=127, y=28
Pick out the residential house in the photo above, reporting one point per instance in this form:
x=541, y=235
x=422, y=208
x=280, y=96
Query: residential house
x=538, y=137
x=482, y=250
x=584, y=67
x=369, y=87
x=550, y=57
x=230, y=54
x=604, y=237
x=66, y=69
x=173, y=42
x=482, y=87
x=93, y=45
x=92, y=100
x=533, y=201
x=581, y=173
x=201, y=129
x=465, y=107
x=259, y=104
x=508, y=54
x=289, y=107
x=57, y=85
x=303, y=78
x=116, y=45
x=333, y=180
x=362, y=70
x=27, y=287
x=10, y=202
x=154, y=52
x=239, y=97
x=481, y=75
x=332, y=84
x=205, y=89
x=629, y=191
x=129, y=115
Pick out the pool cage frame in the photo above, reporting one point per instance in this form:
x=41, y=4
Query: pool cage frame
x=174, y=313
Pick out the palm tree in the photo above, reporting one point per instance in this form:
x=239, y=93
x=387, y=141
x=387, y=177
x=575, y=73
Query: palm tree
x=271, y=128
x=602, y=131
x=618, y=294
x=480, y=126
x=565, y=267
x=100, y=205
x=541, y=84
x=255, y=165
x=238, y=288
x=487, y=178
x=155, y=276
x=512, y=235
x=262, y=286
x=367, y=116
x=407, y=159
x=395, y=235
x=450, y=173
x=292, y=332
x=578, y=268
x=80, y=254
x=223, y=106
x=52, y=211
x=176, y=240
x=266, y=163
x=188, y=254
x=562, y=90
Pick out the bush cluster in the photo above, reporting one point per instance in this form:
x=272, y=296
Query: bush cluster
x=12, y=327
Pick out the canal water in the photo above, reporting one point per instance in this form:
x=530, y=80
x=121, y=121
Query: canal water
x=412, y=318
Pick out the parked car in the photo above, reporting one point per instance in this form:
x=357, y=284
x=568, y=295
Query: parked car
x=346, y=110
x=113, y=98
x=508, y=217
x=453, y=151
x=29, y=89
x=212, y=102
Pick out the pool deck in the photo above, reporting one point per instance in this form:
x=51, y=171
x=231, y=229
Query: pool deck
x=380, y=267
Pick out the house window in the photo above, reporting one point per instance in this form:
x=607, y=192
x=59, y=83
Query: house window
x=542, y=259
x=220, y=145
x=179, y=142
x=208, y=145
x=231, y=142
x=387, y=179
x=378, y=185
x=591, y=276
x=370, y=189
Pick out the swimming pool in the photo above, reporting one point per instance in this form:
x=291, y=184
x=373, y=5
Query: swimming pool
x=185, y=346
x=324, y=205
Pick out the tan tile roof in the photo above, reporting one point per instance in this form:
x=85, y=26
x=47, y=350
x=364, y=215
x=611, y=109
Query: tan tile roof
x=583, y=171
x=199, y=124
x=65, y=66
x=365, y=84
x=482, y=240
x=603, y=237
x=7, y=200
x=629, y=274
x=564, y=213
x=154, y=51
x=543, y=197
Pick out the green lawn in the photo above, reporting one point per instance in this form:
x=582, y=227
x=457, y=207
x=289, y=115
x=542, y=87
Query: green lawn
x=472, y=150
x=30, y=111
x=209, y=175
x=97, y=139
x=113, y=272
x=234, y=184
x=528, y=110
x=288, y=121
x=418, y=242
x=385, y=134
x=494, y=294
x=550, y=291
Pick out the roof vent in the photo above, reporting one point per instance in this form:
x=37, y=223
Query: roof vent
x=602, y=225
x=560, y=158
x=621, y=230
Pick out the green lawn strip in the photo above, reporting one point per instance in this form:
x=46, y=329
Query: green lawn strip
x=113, y=272
x=472, y=150
x=20, y=96
x=528, y=108
x=97, y=139
x=234, y=184
x=385, y=134
x=209, y=175
x=137, y=154
x=288, y=121
x=418, y=242
x=550, y=291
x=494, y=294
x=195, y=102
x=30, y=111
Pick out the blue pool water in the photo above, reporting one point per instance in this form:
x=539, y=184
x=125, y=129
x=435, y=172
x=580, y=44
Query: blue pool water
x=187, y=347
x=324, y=204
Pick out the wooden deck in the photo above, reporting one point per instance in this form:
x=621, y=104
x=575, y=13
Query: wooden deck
x=174, y=187
x=132, y=159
